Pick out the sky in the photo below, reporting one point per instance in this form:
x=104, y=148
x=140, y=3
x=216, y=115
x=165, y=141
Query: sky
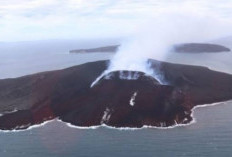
x=23, y=20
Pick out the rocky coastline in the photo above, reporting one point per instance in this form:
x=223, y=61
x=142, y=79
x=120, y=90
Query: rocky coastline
x=114, y=101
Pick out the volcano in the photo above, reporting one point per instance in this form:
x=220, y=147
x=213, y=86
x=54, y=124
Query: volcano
x=118, y=99
x=134, y=102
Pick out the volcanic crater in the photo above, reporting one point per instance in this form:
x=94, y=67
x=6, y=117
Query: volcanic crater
x=118, y=99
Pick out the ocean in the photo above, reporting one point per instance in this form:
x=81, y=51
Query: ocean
x=209, y=135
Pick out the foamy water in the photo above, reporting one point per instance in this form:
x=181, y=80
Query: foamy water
x=209, y=136
x=15, y=67
x=208, y=133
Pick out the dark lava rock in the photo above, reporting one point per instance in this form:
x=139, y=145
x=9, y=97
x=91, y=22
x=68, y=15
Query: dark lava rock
x=120, y=98
x=117, y=101
x=199, y=48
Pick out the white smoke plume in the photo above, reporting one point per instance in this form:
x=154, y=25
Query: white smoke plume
x=155, y=38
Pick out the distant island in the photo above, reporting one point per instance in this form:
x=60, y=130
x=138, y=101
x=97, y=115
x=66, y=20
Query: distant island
x=114, y=101
x=109, y=49
x=200, y=48
x=180, y=48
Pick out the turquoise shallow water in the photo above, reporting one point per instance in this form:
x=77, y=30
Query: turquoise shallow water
x=211, y=135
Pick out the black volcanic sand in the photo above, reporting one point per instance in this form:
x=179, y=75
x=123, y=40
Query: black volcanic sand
x=199, y=48
x=66, y=94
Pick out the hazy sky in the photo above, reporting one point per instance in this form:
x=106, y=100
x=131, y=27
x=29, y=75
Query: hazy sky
x=59, y=19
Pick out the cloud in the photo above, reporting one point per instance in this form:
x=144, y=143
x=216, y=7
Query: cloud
x=40, y=19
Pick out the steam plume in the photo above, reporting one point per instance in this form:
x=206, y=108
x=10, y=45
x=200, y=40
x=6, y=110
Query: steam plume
x=155, y=38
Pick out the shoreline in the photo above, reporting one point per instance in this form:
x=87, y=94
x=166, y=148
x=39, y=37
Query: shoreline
x=104, y=126
x=57, y=108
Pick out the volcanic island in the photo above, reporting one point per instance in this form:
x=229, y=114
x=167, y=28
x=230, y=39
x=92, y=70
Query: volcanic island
x=114, y=100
